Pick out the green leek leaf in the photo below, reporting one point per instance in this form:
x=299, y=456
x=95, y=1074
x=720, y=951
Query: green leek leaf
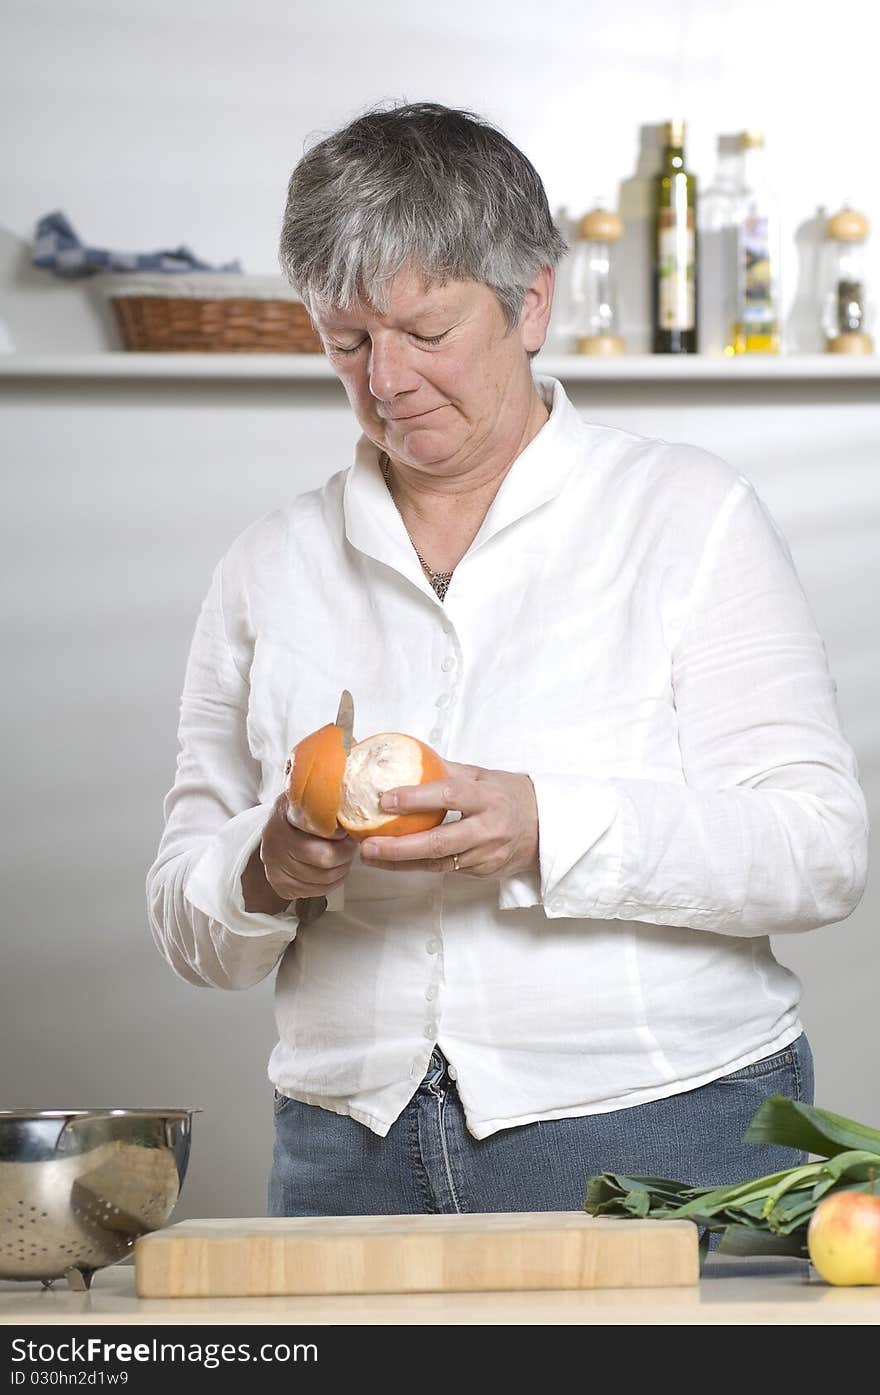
x=738, y=1241
x=809, y=1129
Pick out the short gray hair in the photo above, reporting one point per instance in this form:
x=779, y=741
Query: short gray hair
x=421, y=184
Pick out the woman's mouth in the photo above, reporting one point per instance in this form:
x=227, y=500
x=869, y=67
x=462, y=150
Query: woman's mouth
x=414, y=416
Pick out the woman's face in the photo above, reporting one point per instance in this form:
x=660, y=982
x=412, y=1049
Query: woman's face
x=438, y=380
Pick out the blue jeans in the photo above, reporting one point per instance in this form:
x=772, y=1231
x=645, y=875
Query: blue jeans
x=329, y=1165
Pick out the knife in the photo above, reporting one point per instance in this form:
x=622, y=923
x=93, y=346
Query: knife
x=345, y=718
x=309, y=908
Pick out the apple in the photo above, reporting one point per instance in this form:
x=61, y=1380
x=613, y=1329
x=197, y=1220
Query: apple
x=843, y=1238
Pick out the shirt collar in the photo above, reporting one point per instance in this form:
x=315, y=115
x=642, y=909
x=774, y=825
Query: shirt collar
x=374, y=526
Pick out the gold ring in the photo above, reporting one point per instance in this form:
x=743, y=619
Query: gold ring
x=455, y=867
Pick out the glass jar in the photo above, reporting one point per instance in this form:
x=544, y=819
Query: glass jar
x=594, y=301
x=847, y=312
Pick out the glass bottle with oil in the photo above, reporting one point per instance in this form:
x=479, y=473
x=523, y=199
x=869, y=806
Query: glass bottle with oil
x=674, y=309
x=756, y=325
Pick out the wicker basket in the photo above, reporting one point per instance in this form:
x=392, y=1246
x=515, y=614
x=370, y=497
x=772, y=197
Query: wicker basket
x=208, y=312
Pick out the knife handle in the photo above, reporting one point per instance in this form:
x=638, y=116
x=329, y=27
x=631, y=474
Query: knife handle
x=309, y=908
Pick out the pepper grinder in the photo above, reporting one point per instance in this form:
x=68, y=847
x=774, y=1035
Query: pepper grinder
x=594, y=283
x=846, y=311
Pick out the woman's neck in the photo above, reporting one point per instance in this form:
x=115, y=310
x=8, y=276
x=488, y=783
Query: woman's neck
x=435, y=501
x=443, y=515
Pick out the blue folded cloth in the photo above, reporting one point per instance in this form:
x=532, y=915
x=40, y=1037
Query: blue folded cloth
x=57, y=247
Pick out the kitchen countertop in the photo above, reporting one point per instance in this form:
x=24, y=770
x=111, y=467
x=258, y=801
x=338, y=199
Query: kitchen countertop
x=732, y=1290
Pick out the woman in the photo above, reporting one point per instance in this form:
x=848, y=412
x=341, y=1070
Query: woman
x=605, y=638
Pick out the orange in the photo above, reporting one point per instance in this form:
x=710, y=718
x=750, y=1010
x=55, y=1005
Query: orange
x=326, y=789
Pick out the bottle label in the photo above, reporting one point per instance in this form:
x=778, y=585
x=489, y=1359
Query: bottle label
x=757, y=287
x=676, y=257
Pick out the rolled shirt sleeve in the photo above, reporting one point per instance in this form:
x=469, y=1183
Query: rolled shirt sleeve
x=768, y=832
x=213, y=823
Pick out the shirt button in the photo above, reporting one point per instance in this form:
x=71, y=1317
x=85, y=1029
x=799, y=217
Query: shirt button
x=443, y=699
x=557, y=904
x=447, y=664
x=435, y=733
x=433, y=946
x=431, y=1031
x=452, y=1073
x=430, y=994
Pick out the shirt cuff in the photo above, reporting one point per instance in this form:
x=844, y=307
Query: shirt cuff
x=214, y=884
x=579, y=848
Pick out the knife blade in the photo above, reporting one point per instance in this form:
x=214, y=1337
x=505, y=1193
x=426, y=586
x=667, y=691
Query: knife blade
x=345, y=718
x=310, y=908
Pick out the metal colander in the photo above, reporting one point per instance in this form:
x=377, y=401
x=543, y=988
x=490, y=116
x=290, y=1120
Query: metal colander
x=78, y=1186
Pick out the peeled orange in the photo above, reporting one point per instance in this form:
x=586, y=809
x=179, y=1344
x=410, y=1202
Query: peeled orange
x=325, y=788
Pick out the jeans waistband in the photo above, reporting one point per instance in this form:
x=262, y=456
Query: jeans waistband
x=437, y=1068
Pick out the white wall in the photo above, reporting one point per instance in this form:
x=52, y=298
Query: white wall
x=168, y=123
x=151, y=126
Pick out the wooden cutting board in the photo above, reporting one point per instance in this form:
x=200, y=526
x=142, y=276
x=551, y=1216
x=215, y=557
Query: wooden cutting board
x=413, y=1254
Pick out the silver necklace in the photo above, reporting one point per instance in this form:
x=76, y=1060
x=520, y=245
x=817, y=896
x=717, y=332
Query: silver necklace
x=439, y=580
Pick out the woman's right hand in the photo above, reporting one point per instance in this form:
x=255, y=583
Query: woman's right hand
x=291, y=862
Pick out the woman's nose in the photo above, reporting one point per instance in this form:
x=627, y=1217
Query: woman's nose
x=392, y=368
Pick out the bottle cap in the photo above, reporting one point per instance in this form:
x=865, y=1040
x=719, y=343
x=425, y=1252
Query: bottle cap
x=751, y=140
x=673, y=131
x=600, y=225
x=848, y=226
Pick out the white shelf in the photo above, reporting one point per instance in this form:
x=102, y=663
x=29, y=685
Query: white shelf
x=694, y=367
x=568, y=367
x=140, y=365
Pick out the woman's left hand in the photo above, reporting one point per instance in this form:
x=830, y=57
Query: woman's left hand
x=496, y=836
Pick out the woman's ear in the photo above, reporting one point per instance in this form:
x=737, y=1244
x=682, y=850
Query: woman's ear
x=535, y=314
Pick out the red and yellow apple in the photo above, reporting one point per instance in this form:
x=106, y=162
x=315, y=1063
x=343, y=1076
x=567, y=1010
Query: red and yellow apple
x=843, y=1238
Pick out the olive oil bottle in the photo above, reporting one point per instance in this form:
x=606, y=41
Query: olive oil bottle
x=756, y=326
x=674, y=309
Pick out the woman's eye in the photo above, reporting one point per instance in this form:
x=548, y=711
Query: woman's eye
x=419, y=338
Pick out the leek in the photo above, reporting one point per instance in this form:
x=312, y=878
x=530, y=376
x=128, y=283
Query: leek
x=767, y=1215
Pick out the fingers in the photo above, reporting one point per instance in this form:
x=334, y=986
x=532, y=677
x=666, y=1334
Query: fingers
x=496, y=834
x=432, y=865
x=299, y=863
x=463, y=793
x=292, y=879
x=420, y=850
x=308, y=850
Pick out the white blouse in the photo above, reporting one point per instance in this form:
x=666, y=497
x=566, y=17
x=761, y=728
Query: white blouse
x=628, y=628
